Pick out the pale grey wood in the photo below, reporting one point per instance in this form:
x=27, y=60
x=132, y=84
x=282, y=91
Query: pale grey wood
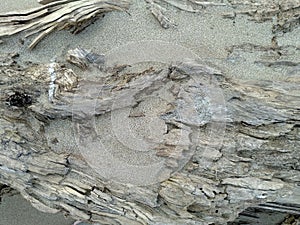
x=258, y=161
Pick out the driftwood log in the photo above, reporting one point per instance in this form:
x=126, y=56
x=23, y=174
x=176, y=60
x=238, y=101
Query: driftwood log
x=220, y=165
x=74, y=15
x=226, y=144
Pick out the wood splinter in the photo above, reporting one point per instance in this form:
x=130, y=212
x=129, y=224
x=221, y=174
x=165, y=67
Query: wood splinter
x=73, y=15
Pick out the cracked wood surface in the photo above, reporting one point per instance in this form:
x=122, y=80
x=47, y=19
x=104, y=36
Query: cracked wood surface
x=73, y=15
x=257, y=162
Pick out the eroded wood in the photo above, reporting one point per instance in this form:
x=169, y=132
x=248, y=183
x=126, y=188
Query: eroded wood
x=257, y=162
x=73, y=15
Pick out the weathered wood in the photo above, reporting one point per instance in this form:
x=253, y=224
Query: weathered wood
x=287, y=13
x=73, y=15
x=257, y=161
x=44, y=2
x=248, y=156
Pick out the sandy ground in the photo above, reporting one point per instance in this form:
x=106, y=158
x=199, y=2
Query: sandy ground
x=204, y=34
x=15, y=210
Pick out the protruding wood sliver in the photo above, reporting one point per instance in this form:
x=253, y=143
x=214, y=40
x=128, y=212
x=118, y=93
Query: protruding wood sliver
x=56, y=15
